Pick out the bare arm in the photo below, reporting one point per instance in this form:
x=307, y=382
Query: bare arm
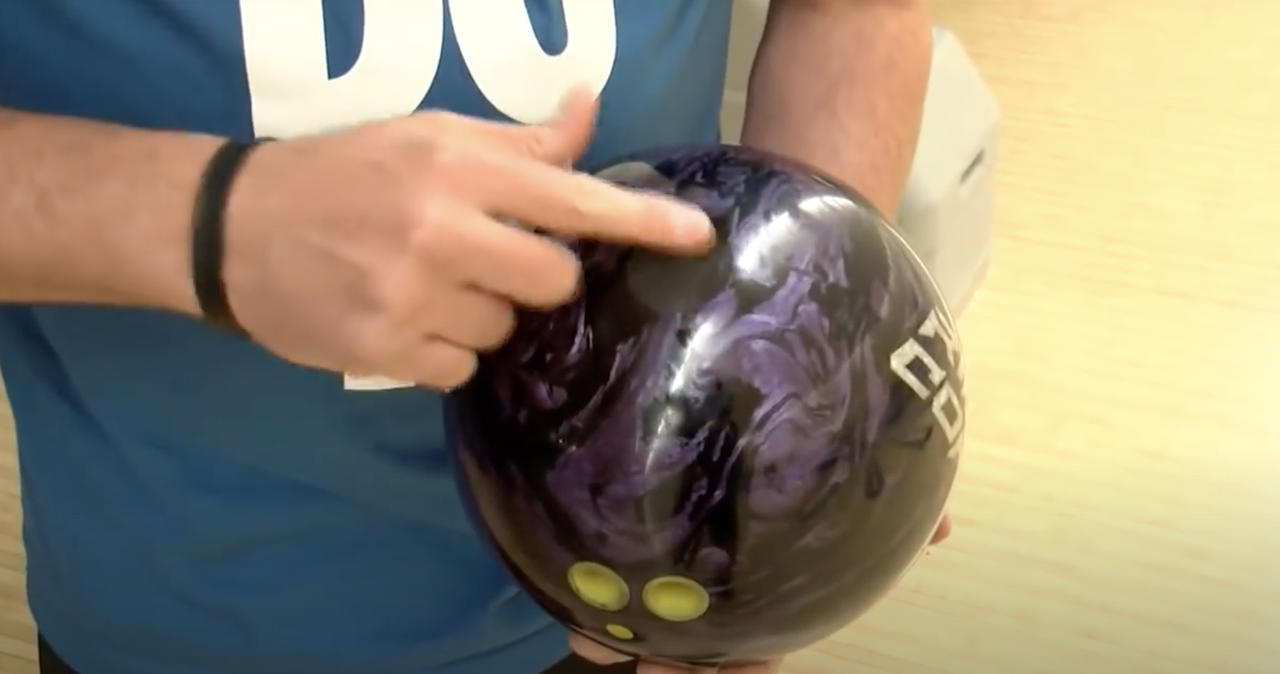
x=96, y=213
x=840, y=84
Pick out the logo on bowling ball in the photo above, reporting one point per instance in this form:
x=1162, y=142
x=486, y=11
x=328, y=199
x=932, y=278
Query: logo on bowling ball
x=935, y=384
x=724, y=458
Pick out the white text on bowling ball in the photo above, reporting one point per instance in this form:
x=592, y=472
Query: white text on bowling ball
x=923, y=374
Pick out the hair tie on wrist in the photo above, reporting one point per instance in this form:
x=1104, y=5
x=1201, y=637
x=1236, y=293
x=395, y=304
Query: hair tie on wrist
x=208, y=232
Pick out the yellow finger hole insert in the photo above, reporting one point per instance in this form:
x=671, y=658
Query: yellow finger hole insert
x=676, y=599
x=599, y=586
x=619, y=632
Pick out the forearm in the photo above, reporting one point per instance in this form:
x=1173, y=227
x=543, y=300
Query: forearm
x=96, y=213
x=840, y=84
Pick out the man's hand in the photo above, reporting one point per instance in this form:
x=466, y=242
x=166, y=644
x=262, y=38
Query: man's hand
x=602, y=655
x=401, y=249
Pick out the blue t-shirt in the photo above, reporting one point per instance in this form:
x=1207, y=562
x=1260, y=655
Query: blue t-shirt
x=196, y=506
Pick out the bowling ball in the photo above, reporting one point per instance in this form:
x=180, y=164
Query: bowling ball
x=721, y=459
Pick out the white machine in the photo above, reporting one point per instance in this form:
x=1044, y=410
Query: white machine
x=948, y=209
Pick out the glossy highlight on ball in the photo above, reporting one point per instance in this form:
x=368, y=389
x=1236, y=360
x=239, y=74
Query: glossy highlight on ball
x=723, y=458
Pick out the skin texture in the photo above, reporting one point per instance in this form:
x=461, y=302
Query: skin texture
x=866, y=66
x=336, y=257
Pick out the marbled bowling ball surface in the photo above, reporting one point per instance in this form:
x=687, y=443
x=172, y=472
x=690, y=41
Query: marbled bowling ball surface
x=724, y=458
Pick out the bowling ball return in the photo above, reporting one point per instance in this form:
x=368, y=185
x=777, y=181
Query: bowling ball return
x=721, y=459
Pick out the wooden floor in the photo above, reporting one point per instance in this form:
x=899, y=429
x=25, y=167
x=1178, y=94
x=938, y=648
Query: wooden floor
x=1117, y=511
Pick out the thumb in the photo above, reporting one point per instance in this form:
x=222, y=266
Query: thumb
x=595, y=652
x=559, y=141
x=566, y=137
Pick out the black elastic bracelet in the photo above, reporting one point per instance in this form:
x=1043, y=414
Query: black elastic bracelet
x=208, y=236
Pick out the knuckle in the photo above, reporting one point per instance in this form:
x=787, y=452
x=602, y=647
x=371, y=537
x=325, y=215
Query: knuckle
x=436, y=124
x=445, y=159
x=586, y=206
x=538, y=141
x=443, y=118
x=377, y=335
x=432, y=221
x=371, y=344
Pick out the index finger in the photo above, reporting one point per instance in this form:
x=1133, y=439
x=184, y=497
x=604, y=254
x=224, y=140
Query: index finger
x=579, y=206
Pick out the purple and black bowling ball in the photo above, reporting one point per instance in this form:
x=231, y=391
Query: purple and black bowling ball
x=726, y=458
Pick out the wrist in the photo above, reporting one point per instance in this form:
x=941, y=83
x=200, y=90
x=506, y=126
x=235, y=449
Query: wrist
x=157, y=253
x=98, y=213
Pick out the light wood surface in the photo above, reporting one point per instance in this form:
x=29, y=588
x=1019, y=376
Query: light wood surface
x=1116, y=510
